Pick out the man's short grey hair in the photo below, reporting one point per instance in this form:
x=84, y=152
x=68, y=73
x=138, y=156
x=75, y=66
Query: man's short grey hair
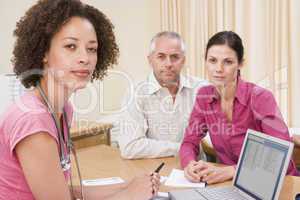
x=168, y=34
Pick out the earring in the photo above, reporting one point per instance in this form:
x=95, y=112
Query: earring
x=45, y=61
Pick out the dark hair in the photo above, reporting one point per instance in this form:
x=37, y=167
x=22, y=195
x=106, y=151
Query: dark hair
x=229, y=38
x=42, y=21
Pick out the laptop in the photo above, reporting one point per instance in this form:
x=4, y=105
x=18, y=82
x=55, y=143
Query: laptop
x=259, y=174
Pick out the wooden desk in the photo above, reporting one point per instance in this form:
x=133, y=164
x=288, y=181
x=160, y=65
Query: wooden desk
x=88, y=133
x=102, y=161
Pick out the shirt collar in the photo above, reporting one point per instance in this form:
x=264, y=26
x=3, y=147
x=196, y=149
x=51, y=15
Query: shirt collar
x=154, y=85
x=239, y=94
x=241, y=90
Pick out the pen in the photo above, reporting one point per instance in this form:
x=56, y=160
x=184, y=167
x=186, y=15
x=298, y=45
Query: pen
x=159, y=167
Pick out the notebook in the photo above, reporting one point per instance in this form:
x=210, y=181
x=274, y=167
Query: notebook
x=177, y=179
x=260, y=172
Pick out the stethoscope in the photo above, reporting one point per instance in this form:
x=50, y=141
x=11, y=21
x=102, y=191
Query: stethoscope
x=64, y=154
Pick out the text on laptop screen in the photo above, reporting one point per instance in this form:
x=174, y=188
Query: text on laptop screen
x=260, y=167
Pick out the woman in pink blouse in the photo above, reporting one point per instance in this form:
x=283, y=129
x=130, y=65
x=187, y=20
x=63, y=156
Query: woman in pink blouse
x=226, y=109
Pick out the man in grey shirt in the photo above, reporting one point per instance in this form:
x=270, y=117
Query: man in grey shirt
x=158, y=109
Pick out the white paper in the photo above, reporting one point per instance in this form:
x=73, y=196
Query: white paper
x=177, y=179
x=162, y=194
x=163, y=179
x=103, y=181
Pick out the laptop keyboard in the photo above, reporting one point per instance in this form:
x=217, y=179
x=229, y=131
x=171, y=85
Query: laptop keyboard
x=224, y=193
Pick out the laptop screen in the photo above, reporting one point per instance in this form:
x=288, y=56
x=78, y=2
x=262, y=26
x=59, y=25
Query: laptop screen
x=260, y=167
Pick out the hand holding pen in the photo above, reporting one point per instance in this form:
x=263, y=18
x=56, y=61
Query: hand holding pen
x=156, y=179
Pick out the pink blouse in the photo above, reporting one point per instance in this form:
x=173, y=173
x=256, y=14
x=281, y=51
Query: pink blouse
x=27, y=116
x=253, y=107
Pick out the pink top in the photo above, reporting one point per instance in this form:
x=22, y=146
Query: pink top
x=253, y=108
x=27, y=116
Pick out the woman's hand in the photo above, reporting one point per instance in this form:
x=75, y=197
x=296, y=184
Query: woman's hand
x=212, y=174
x=191, y=171
x=155, y=179
x=143, y=187
x=197, y=171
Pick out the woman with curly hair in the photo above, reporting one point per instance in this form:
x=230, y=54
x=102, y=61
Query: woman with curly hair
x=60, y=46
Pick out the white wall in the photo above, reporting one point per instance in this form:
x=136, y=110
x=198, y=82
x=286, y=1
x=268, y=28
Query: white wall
x=295, y=44
x=135, y=21
x=10, y=13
